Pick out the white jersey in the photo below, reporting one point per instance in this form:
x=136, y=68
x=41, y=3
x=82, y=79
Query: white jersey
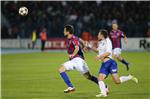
x=105, y=46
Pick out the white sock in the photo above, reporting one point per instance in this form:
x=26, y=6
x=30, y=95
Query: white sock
x=102, y=87
x=125, y=78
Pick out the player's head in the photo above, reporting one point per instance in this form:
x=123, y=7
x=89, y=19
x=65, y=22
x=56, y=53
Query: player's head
x=103, y=34
x=68, y=29
x=114, y=26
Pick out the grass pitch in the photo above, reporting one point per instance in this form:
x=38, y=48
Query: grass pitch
x=35, y=76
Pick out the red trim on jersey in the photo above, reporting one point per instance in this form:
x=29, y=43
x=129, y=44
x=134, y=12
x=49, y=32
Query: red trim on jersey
x=116, y=38
x=75, y=41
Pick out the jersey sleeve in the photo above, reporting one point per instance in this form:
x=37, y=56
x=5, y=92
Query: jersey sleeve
x=109, y=46
x=122, y=34
x=75, y=42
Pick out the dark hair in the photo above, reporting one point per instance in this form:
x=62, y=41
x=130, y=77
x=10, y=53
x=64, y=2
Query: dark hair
x=69, y=28
x=104, y=33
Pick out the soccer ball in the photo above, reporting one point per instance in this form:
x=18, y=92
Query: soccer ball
x=23, y=11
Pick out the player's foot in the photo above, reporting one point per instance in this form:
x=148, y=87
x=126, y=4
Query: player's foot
x=107, y=89
x=69, y=89
x=134, y=79
x=101, y=95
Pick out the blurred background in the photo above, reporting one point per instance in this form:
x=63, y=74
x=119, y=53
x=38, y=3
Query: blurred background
x=87, y=17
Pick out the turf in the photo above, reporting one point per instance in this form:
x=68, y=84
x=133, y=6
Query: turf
x=35, y=76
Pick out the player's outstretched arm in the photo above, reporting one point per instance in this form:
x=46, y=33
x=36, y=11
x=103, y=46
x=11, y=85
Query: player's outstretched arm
x=87, y=45
x=125, y=39
x=93, y=48
x=83, y=45
x=82, y=42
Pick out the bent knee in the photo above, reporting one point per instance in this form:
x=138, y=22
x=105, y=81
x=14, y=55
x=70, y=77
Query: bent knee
x=101, y=78
x=61, y=69
x=116, y=56
x=117, y=82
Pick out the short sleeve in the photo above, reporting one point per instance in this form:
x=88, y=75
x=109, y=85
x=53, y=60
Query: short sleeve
x=122, y=33
x=109, y=46
x=75, y=41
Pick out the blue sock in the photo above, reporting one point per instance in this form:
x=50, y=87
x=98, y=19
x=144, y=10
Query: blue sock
x=66, y=79
x=124, y=62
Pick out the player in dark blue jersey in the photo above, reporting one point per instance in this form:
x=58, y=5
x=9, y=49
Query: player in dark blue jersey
x=76, y=59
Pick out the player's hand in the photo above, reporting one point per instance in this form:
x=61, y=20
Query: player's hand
x=99, y=57
x=88, y=45
x=71, y=56
x=85, y=49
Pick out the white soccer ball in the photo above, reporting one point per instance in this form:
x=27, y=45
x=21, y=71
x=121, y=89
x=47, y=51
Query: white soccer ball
x=23, y=11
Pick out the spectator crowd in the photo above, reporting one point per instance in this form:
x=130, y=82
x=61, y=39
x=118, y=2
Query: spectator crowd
x=133, y=17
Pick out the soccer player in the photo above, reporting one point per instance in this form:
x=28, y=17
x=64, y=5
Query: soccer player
x=76, y=60
x=108, y=64
x=115, y=36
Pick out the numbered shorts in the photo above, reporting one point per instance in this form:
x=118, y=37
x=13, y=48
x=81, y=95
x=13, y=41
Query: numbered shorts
x=117, y=51
x=77, y=63
x=107, y=67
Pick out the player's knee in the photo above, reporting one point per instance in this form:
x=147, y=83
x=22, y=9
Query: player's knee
x=116, y=56
x=117, y=82
x=100, y=78
x=61, y=69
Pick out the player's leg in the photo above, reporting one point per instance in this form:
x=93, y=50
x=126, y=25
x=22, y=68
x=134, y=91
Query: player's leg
x=102, y=85
x=82, y=67
x=62, y=71
x=121, y=59
x=42, y=45
x=122, y=79
x=117, y=55
x=94, y=79
x=33, y=44
x=115, y=76
x=90, y=77
x=103, y=73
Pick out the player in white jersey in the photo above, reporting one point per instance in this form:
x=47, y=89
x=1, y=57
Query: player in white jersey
x=108, y=64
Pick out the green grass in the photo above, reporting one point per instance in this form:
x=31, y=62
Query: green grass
x=35, y=76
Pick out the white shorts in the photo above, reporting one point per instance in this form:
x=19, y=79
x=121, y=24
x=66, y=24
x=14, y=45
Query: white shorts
x=77, y=63
x=117, y=51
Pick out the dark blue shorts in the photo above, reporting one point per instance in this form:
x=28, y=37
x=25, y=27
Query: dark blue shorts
x=107, y=67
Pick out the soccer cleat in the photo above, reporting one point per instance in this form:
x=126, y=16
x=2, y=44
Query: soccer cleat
x=69, y=89
x=107, y=89
x=101, y=95
x=134, y=79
